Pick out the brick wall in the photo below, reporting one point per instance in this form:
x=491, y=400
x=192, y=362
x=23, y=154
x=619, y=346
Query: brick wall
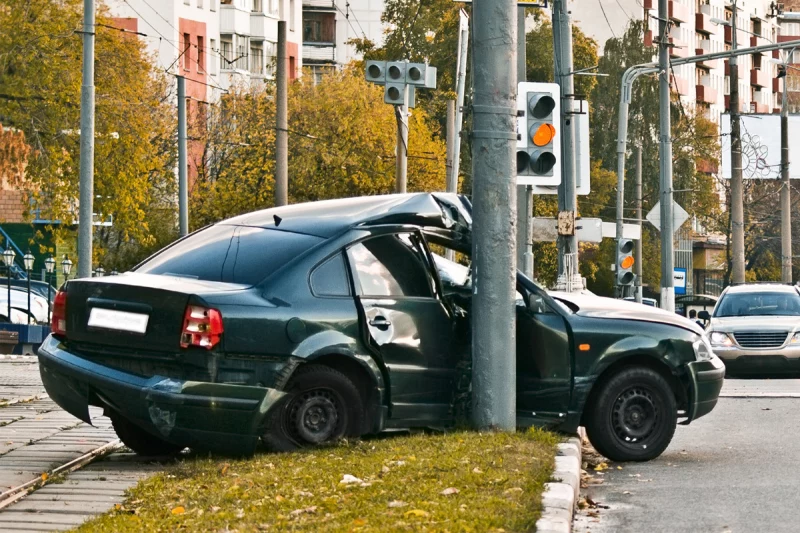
x=12, y=205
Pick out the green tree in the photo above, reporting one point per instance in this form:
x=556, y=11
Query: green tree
x=342, y=144
x=40, y=84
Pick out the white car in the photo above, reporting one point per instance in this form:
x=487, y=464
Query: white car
x=17, y=312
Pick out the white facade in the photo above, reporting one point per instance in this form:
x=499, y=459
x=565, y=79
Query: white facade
x=706, y=85
x=328, y=25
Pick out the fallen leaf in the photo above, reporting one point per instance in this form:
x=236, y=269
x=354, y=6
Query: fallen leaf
x=215, y=508
x=477, y=470
x=359, y=522
x=627, y=492
x=224, y=469
x=239, y=513
x=307, y=510
x=347, y=479
x=305, y=494
x=396, y=503
x=766, y=409
x=600, y=467
x=416, y=512
x=512, y=490
x=44, y=476
x=279, y=498
x=450, y=490
x=619, y=468
x=178, y=510
x=385, y=470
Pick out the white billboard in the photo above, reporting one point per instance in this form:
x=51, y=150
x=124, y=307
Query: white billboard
x=761, y=146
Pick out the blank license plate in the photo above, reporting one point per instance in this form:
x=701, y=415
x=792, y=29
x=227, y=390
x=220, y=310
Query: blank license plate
x=118, y=320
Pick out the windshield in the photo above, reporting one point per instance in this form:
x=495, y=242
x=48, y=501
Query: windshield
x=232, y=254
x=759, y=304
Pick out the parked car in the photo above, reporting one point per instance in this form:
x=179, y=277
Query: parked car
x=37, y=287
x=755, y=328
x=19, y=307
x=307, y=323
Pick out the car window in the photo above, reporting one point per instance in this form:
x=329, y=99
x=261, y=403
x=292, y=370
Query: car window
x=392, y=265
x=233, y=254
x=759, y=304
x=330, y=278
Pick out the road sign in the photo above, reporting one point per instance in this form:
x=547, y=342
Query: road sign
x=520, y=3
x=679, y=216
x=629, y=231
x=679, y=280
x=586, y=229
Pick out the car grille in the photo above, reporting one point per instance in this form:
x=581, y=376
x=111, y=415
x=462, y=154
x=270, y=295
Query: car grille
x=766, y=339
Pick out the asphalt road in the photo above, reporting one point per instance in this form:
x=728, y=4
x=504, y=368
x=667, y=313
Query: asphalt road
x=735, y=470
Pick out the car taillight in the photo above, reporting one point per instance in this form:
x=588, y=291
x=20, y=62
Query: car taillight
x=202, y=327
x=58, y=320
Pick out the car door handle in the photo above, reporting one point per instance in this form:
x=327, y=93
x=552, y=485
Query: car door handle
x=380, y=322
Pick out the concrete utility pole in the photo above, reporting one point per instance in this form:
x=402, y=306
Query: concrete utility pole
x=524, y=192
x=401, y=164
x=638, y=250
x=183, y=185
x=494, y=140
x=568, y=271
x=665, y=163
x=282, y=116
x=786, y=191
x=87, y=145
x=737, y=184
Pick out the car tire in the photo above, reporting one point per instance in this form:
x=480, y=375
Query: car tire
x=633, y=416
x=140, y=441
x=323, y=406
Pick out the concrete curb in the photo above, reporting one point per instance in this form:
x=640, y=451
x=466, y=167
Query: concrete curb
x=559, y=498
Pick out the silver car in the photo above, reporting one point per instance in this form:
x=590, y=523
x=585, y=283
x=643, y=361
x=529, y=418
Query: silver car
x=755, y=328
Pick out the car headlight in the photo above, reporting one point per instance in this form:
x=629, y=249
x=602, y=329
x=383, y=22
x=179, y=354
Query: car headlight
x=702, y=350
x=719, y=338
x=795, y=339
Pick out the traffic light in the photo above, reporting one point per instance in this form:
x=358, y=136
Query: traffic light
x=376, y=72
x=539, y=141
x=625, y=262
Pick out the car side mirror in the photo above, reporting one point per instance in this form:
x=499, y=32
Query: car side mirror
x=704, y=315
x=537, y=305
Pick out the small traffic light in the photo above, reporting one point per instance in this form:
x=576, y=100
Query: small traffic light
x=393, y=94
x=539, y=141
x=625, y=262
x=421, y=75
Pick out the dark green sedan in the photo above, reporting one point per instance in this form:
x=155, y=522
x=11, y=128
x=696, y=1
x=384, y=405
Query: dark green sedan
x=308, y=323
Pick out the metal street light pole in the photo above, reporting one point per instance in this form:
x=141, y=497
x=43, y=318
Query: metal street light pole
x=737, y=184
x=665, y=163
x=49, y=268
x=786, y=192
x=28, y=260
x=8, y=259
x=66, y=267
x=494, y=140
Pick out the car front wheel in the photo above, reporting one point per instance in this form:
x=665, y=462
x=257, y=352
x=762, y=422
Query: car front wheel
x=633, y=416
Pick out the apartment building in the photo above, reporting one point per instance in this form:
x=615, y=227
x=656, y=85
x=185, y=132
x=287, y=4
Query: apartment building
x=704, y=26
x=329, y=25
x=789, y=19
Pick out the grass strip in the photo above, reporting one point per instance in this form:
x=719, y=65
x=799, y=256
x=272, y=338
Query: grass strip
x=461, y=481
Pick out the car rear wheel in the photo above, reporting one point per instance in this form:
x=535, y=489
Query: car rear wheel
x=633, y=416
x=140, y=441
x=324, y=406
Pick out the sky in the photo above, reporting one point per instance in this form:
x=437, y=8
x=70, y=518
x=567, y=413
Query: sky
x=603, y=19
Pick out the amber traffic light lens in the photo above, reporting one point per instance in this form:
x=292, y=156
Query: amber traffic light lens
x=543, y=135
x=627, y=262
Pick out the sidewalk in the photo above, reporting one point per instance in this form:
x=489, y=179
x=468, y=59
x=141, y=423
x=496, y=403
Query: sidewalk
x=36, y=437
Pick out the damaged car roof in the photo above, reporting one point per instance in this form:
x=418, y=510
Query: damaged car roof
x=331, y=217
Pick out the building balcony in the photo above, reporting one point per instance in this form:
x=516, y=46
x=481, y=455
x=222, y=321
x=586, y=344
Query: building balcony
x=678, y=12
x=233, y=20
x=758, y=41
x=742, y=107
x=777, y=86
x=760, y=78
x=648, y=38
x=320, y=4
x=263, y=27
x=706, y=94
x=681, y=85
x=758, y=107
x=728, y=32
x=678, y=48
x=703, y=24
x=648, y=4
x=319, y=52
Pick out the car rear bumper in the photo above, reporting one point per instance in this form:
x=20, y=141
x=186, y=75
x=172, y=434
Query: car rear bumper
x=209, y=416
x=706, y=378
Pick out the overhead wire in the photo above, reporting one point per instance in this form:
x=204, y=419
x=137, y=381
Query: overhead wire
x=605, y=16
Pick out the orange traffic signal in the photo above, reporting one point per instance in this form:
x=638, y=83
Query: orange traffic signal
x=543, y=134
x=627, y=262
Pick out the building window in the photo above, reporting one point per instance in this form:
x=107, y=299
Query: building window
x=258, y=6
x=187, y=44
x=270, y=58
x=319, y=27
x=272, y=7
x=241, y=54
x=257, y=59
x=187, y=2
x=291, y=15
x=226, y=55
x=212, y=5
x=201, y=54
x=213, y=49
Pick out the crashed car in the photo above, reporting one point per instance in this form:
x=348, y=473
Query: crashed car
x=304, y=324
